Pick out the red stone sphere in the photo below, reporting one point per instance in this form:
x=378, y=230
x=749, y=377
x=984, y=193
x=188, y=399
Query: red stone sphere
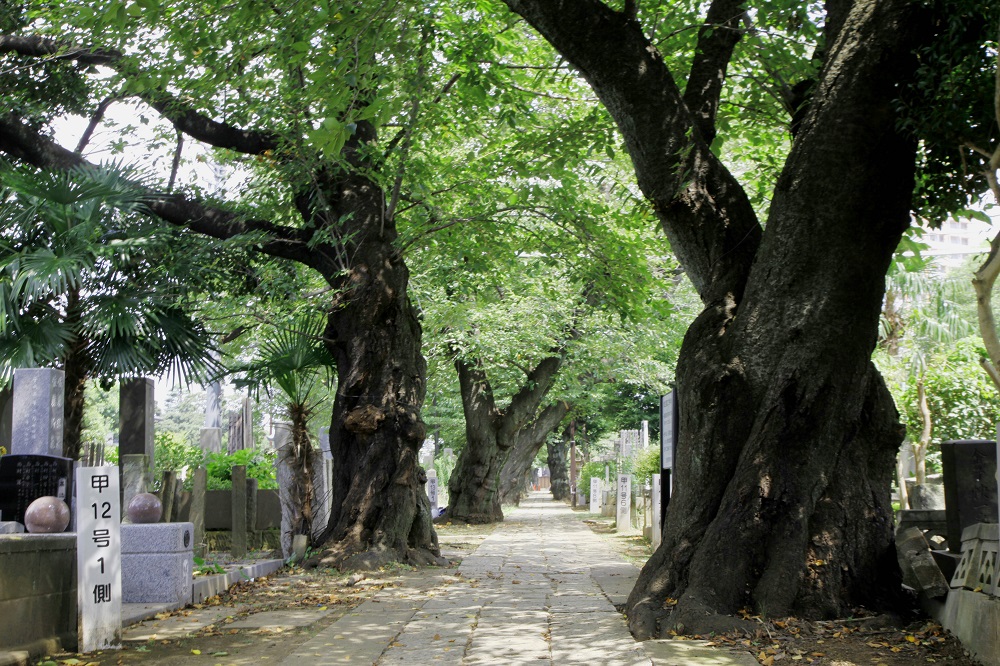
x=46, y=515
x=144, y=508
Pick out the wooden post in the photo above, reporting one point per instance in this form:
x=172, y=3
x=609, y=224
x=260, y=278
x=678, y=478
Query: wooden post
x=197, y=517
x=168, y=490
x=239, y=528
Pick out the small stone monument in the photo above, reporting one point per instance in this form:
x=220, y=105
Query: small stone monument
x=432, y=488
x=623, y=521
x=595, y=494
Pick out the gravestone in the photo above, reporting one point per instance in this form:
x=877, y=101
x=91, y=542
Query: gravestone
x=623, y=521
x=135, y=476
x=595, y=494
x=135, y=423
x=37, y=411
x=210, y=437
x=432, y=488
x=25, y=477
x=970, y=485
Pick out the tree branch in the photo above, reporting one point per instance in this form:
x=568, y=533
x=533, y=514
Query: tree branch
x=717, y=38
x=24, y=144
x=95, y=120
x=180, y=114
x=705, y=213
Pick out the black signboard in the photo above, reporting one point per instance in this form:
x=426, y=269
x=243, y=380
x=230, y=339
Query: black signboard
x=26, y=477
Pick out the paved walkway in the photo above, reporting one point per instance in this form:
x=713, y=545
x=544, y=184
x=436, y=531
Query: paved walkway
x=541, y=589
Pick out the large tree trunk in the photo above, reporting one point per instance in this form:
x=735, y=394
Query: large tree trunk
x=787, y=433
x=490, y=432
x=373, y=333
x=75, y=366
x=558, y=469
x=527, y=445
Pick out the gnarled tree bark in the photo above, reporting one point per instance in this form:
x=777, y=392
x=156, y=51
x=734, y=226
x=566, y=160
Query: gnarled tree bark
x=527, y=445
x=788, y=435
x=558, y=468
x=490, y=432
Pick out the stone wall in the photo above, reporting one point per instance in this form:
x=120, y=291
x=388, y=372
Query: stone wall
x=38, y=592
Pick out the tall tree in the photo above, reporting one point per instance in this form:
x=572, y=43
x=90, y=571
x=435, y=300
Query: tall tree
x=787, y=432
x=306, y=111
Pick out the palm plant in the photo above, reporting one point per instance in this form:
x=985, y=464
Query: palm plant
x=293, y=360
x=92, y=285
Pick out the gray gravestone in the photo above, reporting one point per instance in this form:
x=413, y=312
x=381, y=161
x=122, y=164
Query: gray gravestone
x=135, y=418
x=213, y=405
x=970, y=486
x=37, y=411
x=25, y=478
x=432, y=488
x=623, y=512
x=210, y=439
x=135, y=477
x=285, y=476
x=322, y=497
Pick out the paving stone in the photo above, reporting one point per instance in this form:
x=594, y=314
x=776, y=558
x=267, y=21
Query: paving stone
x=283, y=618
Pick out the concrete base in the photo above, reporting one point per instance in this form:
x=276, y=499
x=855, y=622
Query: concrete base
x=210, y=586
x=974, y=618
x=37, y=592
x=157, y=563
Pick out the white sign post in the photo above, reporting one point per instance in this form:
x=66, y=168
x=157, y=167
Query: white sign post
x=595, y=494
x=99, y=558
x=655, y=537
x=624, y=514
x=432, y=488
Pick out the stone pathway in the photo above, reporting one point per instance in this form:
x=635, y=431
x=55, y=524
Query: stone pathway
x=541, y=589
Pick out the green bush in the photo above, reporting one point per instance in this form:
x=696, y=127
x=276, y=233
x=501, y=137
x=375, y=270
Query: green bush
x=643, y=466
x=259, y=464
x=592, y=469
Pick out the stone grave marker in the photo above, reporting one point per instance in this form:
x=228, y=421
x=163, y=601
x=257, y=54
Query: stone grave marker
x=26, y=477
x=98, y=545
x=623, y=520
x=970, y=486
x=595, y=494
x=135, y=419
x=37, y=411
x=432, y=488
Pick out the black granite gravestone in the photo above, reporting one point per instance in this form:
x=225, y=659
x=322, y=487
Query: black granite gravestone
x=26, y=477
x=970, y=488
